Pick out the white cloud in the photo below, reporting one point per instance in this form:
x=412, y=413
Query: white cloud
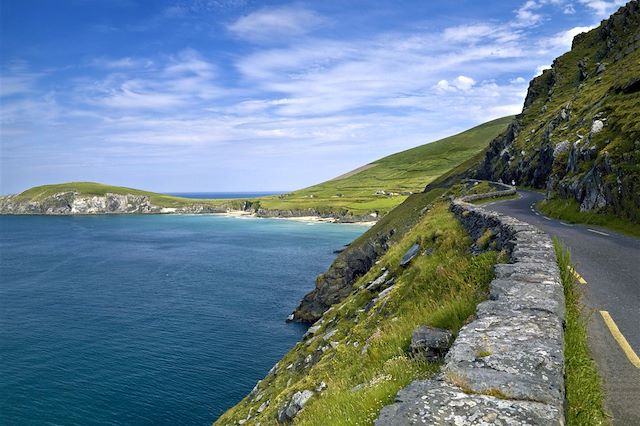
x=18, y=79
x=540, y=69
x=185, y=79
x=463, y=82
x=526, y=15
x=274, y=24
x=601, y=8
x=561, y=42
x=311, y=95
x=468, y=32
x=16, y=84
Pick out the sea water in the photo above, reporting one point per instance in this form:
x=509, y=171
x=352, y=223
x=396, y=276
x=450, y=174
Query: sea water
x=148, y=319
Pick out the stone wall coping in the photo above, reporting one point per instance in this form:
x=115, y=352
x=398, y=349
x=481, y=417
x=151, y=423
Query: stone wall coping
x=507, y=365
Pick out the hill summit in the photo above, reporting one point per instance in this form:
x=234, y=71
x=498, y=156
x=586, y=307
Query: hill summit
x=578, y=135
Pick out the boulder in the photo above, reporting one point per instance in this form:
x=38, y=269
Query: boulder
x=430, y=343
x=563, y=146
x=597, y=126
x=298, y=400
x=377, y=283
x=410, y=254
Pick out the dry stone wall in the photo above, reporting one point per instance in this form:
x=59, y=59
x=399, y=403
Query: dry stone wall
x=507, y=366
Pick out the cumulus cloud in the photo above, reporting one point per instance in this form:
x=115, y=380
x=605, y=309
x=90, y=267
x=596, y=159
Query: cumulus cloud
x=274, y=24
x=462, y=83
x=527, y=15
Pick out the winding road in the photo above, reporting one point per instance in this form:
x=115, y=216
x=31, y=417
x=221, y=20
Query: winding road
x=607, y=267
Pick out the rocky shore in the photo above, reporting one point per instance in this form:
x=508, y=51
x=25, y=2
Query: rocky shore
x=74, y=203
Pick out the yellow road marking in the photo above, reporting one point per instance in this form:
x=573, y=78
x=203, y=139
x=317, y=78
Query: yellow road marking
x=626, y=348
x=577, y=275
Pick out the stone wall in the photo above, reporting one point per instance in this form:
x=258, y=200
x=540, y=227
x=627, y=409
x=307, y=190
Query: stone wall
x=507, y=365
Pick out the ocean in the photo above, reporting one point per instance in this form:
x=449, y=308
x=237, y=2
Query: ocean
x=148, y=319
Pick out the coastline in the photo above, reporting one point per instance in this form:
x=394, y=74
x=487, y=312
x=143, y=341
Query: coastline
x=238, y=214
x=305, y=219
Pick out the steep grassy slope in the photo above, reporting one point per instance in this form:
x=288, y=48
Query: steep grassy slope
x=356, y=359
x=579, y=134
x=393, y=178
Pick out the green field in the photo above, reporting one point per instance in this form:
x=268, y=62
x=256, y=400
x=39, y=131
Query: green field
x=397, y=175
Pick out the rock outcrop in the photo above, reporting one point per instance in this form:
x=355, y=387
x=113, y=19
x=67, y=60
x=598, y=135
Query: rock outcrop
x=506, y=366
x=298, y=401
x=430, y=343
x=578, y=135
x=337, y=283
x=74, y=203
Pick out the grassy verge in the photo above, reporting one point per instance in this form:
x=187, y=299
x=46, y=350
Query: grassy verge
x=583, y=384
x=361, y=353
x=569, y=211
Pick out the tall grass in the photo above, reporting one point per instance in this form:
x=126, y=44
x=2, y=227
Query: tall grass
x=583, y=384
x=371, y=361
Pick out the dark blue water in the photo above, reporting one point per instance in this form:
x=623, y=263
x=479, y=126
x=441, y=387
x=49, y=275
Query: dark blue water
x=223, y=195
x=148, y=319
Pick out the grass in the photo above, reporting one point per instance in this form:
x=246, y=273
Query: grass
x=583, y=384
x=397, y=175
x=569, y=211
x=371, y=362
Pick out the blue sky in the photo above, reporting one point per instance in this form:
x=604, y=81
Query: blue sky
x=215, y=95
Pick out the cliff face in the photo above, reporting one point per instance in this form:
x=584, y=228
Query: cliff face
x=70, y=203
x=337, y=283
x=578, y=135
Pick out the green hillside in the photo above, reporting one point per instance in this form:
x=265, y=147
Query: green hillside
x=579, y=135
x=39, y=193
x=356, y=357
x=376, y=187
x=393, y=178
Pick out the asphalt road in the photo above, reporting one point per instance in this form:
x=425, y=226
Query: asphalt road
x=610, y=264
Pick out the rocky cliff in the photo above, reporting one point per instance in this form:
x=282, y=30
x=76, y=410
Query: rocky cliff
x=578, y=135
x=337, y=283
x=72, y=202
